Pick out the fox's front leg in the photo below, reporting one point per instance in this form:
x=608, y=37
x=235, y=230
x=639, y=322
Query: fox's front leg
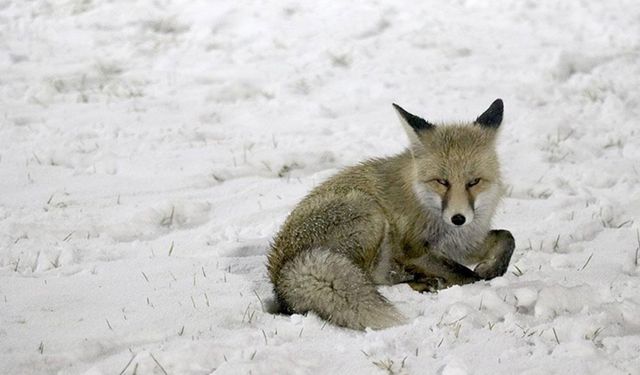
x=497, y=250
x=432, y=272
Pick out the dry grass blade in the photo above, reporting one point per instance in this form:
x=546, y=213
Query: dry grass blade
x=555, y=334
x=68, y=236
x=586, y=263
x=259, y=299
x=127, y=365
x=159, y=365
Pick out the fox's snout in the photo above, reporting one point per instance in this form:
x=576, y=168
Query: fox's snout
x=458, y=215
x=456, y=208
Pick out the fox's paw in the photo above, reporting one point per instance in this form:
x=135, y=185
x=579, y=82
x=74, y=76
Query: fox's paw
x=501, y=244
x=490, y=269
x=427, y=285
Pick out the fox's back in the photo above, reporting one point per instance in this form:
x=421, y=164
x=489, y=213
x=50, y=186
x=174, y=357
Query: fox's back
x=330, y=213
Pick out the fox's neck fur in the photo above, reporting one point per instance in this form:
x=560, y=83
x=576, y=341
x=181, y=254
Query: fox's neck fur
x=422, y=218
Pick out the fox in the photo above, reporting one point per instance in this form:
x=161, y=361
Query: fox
x=421, y=217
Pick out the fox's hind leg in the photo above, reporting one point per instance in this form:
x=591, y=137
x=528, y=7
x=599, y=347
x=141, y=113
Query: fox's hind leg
x=498, y=248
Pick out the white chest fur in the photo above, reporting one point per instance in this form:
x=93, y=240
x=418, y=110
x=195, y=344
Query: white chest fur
x=459, y=243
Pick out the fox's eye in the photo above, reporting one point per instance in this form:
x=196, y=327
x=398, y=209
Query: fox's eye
x=473, y=182
x=442, y=182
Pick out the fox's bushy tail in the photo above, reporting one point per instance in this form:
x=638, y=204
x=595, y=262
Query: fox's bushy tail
x=332, y=286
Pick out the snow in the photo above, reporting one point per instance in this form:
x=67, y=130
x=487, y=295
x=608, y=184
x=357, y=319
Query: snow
x=149, y=151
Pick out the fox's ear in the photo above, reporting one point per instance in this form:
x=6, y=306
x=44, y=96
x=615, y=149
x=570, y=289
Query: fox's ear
x=492, y=117
x=416, y=123
x=412, y=124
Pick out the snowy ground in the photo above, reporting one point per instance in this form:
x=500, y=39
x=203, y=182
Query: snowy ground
x=150, y=149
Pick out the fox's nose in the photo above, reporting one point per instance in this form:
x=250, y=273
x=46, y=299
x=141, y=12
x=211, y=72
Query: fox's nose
x=458, y=219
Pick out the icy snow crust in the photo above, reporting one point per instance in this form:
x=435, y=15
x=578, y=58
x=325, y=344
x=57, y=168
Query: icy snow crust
x=149, y=150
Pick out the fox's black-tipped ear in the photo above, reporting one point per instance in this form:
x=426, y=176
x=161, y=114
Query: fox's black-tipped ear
x=492, y=117
x=416, y=123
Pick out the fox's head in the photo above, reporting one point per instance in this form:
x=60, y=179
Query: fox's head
x=456, y=170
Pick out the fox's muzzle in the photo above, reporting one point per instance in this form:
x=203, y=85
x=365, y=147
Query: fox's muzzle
x=457, y=207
